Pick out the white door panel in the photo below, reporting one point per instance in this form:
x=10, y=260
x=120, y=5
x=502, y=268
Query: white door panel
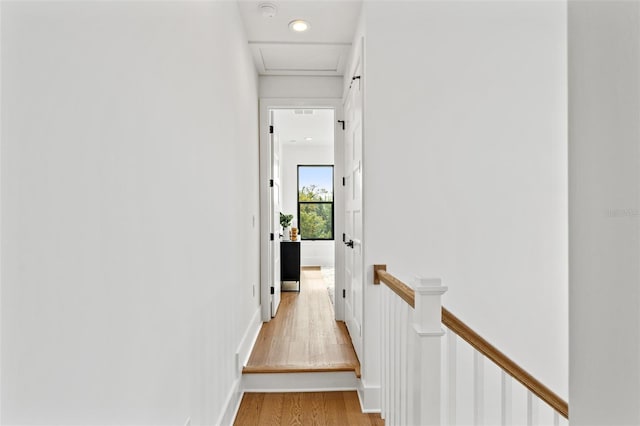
x=353, y=257
x=275, y=201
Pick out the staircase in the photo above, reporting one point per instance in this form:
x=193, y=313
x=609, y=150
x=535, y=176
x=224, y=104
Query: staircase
x=426, y=382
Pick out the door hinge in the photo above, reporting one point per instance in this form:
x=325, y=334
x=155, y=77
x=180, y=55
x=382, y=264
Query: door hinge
x=341, y=122
x=344, y=181
x=271, y=236
x=344, y=293
x=273, y=290
x=270, y=130
x=271, y=183
x=344, y=237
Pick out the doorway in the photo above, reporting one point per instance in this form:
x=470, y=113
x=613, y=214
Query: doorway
x=300, y=169
x=303, y=177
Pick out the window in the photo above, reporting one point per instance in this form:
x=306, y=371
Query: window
x=315, y=202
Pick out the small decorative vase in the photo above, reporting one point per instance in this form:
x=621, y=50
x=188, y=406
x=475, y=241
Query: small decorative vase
x=285, y=234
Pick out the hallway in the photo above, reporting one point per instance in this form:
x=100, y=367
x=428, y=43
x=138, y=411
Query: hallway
x=499, y=155
x=304, y=336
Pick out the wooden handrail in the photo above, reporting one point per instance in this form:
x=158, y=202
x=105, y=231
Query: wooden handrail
x=405, y=292
x=504, y=362
x=467, y=334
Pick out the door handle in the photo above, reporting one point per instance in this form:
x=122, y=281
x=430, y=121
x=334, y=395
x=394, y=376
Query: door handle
x=349, y=243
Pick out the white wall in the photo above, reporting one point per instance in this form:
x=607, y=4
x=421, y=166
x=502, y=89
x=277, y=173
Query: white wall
x=604, y=153
x=274, y=86
x=128, y=251
x=465, y=168
x=312, y=253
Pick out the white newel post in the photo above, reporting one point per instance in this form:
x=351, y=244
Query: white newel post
x=424, y=385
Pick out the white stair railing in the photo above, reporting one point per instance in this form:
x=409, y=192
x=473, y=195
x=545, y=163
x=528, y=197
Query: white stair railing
x=411, y=352
x=478, y=392
x=428, y=380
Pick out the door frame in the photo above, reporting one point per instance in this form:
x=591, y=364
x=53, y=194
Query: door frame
x=274, y=255
x=267, y=104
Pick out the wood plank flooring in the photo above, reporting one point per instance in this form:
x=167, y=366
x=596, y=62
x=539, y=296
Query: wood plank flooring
x=308, y=408
x=304, y=336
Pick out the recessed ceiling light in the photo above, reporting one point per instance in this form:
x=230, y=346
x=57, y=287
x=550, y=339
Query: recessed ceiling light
x=299, y=25
x=308, y=138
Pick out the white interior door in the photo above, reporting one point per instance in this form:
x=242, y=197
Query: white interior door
x=354, y=282
x=275, y=209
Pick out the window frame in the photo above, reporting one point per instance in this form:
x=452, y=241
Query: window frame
x=332, y=202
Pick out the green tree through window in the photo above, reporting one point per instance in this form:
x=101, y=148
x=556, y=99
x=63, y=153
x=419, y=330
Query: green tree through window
x=315, y=202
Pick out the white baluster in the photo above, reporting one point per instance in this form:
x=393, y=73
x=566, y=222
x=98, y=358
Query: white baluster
x=389, y=359
x=385, y=348
x=393, y=363
x=532, y=409
x=452, y=376
x=556, y=418
x=478, y=388
x=505, y=399
x=425, y=388
x=382, y=361
x=404, y=328
x=399, y=360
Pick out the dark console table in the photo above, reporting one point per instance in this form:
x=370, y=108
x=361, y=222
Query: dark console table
x=290, y=261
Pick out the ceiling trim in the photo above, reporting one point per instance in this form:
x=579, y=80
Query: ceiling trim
x=298, y=43
x=270, y=71
x=337, y=68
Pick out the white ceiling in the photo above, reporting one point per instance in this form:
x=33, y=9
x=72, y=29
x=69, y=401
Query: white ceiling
x=321, y=50
x=293, y=126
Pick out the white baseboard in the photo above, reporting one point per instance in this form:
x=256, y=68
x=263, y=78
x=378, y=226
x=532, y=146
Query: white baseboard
x=369, y=397
x=232, y=403
x=300, y=382
x=248, y=340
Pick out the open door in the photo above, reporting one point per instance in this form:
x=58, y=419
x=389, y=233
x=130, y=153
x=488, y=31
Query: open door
x=274, y=212
x=353, y=256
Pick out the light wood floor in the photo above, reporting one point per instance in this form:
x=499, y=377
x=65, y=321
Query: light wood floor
x=304, y=336
x=309, y=408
